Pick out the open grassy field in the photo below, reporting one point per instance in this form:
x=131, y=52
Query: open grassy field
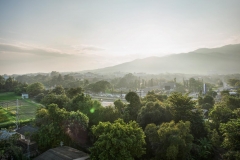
x=8, y=103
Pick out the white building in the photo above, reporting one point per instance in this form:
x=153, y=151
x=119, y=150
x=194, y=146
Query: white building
x=24, y=96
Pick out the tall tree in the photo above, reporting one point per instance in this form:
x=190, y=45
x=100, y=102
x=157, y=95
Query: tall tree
x=181, y=106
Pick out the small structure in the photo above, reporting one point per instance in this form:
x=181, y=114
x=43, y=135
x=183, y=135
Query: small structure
x=168, y=86
x=29, y=147
x=63, y=153
x=5, y=135
x=24, y=96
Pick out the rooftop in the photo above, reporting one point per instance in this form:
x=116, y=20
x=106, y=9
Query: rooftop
x=63, y=153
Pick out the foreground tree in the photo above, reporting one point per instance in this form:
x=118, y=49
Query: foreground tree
x=181, y=106
x=118, y=140
x=56, y=125
x=171, y=141
x=231, y=142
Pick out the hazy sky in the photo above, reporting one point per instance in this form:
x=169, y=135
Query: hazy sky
x=41, y=36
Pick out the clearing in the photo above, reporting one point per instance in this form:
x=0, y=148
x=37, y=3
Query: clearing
x=8, y=103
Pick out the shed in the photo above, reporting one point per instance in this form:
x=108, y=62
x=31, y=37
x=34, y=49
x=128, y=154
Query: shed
x=24, y=96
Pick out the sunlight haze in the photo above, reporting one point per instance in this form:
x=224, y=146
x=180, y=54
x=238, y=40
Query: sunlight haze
x=42, y=36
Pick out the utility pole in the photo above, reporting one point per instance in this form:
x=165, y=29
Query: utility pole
x=17, y=115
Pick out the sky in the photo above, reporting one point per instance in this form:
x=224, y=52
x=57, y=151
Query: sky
x=62, y=35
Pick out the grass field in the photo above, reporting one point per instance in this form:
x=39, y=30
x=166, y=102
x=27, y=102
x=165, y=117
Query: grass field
x=8, y=102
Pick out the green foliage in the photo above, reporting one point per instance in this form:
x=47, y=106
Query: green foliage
x=118, y=141
x=60, y=100
x=108, y=114
x=198, y=128
x=232, y=102
x=119, y=105
x=204, y=148
x=100, y=86
x=35, y=88
x=151, y=113
x=233, y=82
x=58, y=90
x=39, y=97
x=215, y=138
x=86, y=105
x=231, y=142
x=10, y=84
x=171, y=141
x=220, y=114
x=181, y=106
x=59, y=125
x=132, y=109
x=72, y=92
x=152, y=96
x=21, y=88
x=9, y=148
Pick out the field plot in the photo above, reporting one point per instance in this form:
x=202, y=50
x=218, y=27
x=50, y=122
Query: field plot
x=8, y=103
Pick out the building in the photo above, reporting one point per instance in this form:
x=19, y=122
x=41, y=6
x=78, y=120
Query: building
x=29, y=147
x=24, y=96
x=63, y=153
x=168, y=86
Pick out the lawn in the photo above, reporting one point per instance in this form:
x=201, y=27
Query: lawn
x=8, y=102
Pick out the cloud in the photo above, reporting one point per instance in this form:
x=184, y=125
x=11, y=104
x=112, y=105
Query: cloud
x=40, y=51
x=82, y=48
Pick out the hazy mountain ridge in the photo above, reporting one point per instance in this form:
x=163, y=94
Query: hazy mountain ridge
x=220, y=60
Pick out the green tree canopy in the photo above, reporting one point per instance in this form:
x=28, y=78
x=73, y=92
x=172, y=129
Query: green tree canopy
x=181, y=106
x=118, y=140
x=61, y=100
x=60, y=125
x=35, y=88
x=151, y=113
x=171, y=141
x=231, y=142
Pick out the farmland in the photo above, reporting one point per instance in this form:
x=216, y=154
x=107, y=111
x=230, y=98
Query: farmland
x=8, y=103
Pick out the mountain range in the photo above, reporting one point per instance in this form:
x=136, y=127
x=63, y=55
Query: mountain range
x=222, y=60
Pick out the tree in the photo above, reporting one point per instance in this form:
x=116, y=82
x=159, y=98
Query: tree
x=86, y=105
x=61, y=100
x=118, y=140
x=35, y=88
x=58, y=90
x=204, y=148
x=231, y=142
x=220, y=114
x=173, y=140
x=132, y=109
x=60, y=125
x=100, y=86
x=10, y=84
x=9, y=148
x=232, y=102
x=21, y=88
x=72, y=92
x=151, y=113
x=181, y=106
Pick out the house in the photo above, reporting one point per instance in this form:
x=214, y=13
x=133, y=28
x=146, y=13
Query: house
x=63, y=153
x=168, y=86
x=29, y=147
x=24, y=96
